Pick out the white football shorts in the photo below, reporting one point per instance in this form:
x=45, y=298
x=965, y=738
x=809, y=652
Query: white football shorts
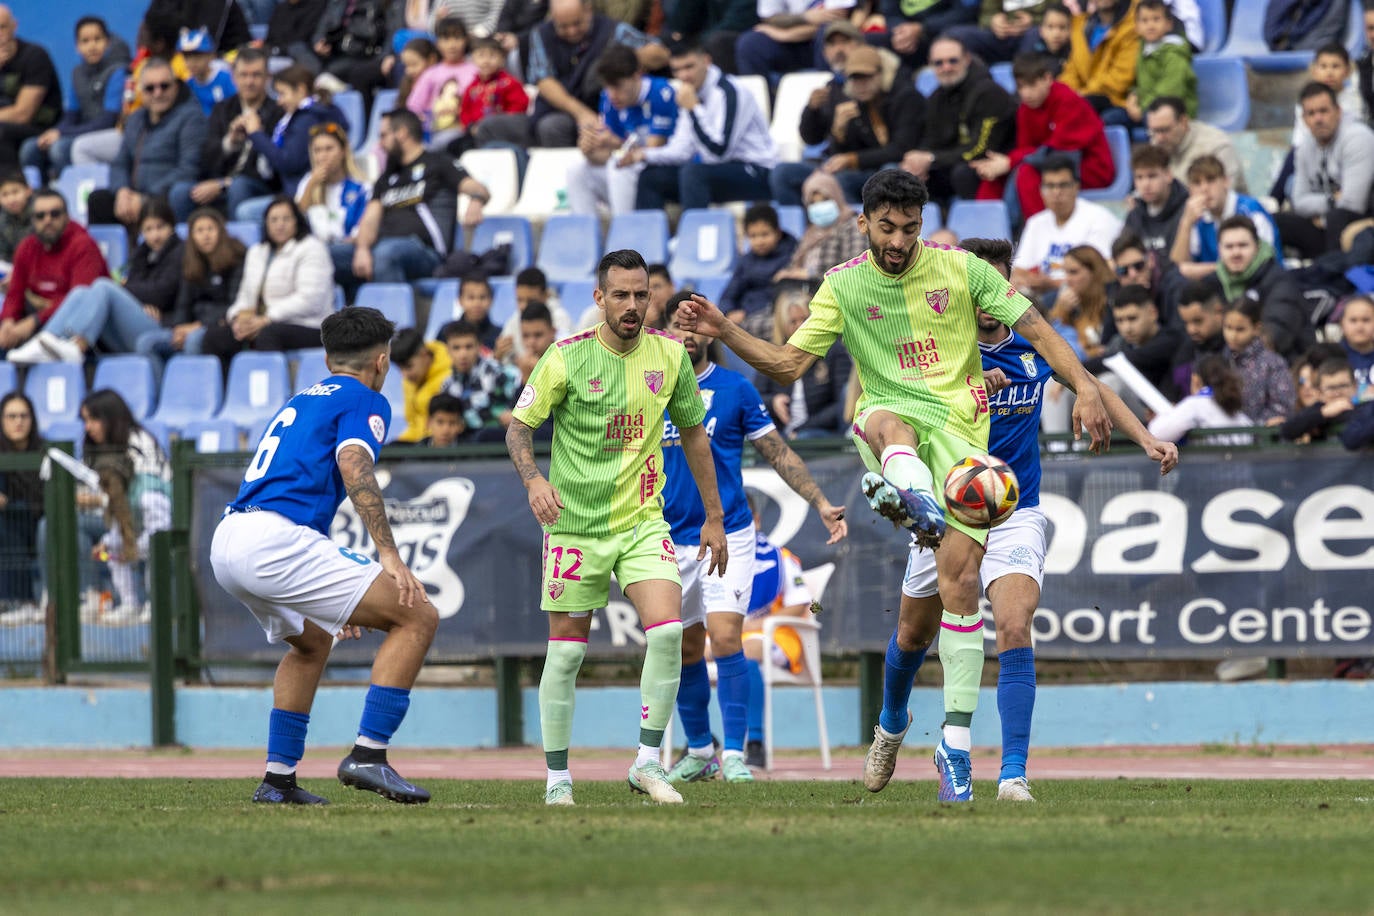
x=287, y=573
x=704, y=594
x=1015, y=546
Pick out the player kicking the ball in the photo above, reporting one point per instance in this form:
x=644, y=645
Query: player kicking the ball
x=272, y=552
x=718, y=604
x=602, y=508
x=907, y=312
x=1012, y=569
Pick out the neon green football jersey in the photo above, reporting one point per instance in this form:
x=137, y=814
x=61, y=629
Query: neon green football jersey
x=607, y=410
x=914, y=337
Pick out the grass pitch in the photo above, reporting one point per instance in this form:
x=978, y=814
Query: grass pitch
x=1119, y=846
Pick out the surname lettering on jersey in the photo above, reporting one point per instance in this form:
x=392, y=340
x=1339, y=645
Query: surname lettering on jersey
x=919, y=354
x=622, y=429
x=321, y=389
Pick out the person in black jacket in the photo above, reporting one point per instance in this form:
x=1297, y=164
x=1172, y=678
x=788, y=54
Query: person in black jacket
x=212, y=269
x=1335, y=392
x=291, y=29
x=748, y=297
x=1157, y=203
x=813, y=406
x=1147, y=344
x=1249, y=268
x=116, y=315
x=226, y=23
x=21, y=506
x=968, y=116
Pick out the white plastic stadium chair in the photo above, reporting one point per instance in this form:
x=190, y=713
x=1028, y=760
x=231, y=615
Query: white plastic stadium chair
x=758, y=88
x=545, y=175
x=793, y=92
x=497, y=169
x=809, y=629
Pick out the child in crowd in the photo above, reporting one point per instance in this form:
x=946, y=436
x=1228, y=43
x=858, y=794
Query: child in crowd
x=418, y=57
x=1357, y=337
x=424, y=367
x=1335, y=396
x=1268, y=393
x=475, y=299
x=1165, y=67
x=486, y=388
x=494, y=91
x=748, y=297
x=210, y=79
x=1051, y=38
x=537, y=334
x=1210, y=202
x=1215, y=402
x=16, y=218
x=438, y=92
x=445, y=424
x=532, y=288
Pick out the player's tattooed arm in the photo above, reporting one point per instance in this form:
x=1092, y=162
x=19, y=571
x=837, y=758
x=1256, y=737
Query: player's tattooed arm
x=355, y=467
x=1088, y=410
x=520, y=445
x=793, y=472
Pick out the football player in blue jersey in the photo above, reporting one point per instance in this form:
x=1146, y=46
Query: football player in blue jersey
x=272, y=551
x=1012, y=571
x=734, y=414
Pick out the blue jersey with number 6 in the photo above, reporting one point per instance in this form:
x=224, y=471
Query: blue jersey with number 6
x=295, y=471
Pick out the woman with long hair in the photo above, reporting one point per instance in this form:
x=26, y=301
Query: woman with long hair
x=137, y=482
x=1081, y=305
x=287, y=289
x=1266, y=380
x=1215, y=402
x=21, y=506
x=332, y=193
x=211, y=271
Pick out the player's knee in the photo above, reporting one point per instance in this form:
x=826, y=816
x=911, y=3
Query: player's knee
x=960, y=589
x=1013, y=634
x=916, y=635
x=693, y=644
x=727, y=644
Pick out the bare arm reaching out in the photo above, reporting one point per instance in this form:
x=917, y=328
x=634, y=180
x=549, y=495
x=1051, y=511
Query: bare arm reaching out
x=1088, y=410
x=783, y=364
x=355, y=467
x=793, y=471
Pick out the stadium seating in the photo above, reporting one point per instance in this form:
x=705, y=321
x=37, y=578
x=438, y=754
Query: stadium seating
x=9, y=377
x=758, y=88
x=394, y=300
x=570, y=247
x=706, y=244
x=246, y=231
x=710, y=287
x=985, y=219
x=794, y=89
x=499, y=172
x=931, y=221
x=56, y=390
x=808, y=629
x=351, y=104
x=1001, y=74
x=259, y=384
x=212, y=436
x=506, y=230
x=33, y=177
x=546, y=176
x=394, y=391
x=646, y=231
x=131, y=375
x=502, y=300
x=926, y=83
x=192, y=389
x=310, y=368
x=73, y=431
x=114, y=244
x=76, y=184
x=1223, y=92
x=160, y=432
x=792, y=219
x=576, y=297
x=385, y=100
x=443, y=307
x=1213, y=26
x=1246, y=40
x=1119, y=139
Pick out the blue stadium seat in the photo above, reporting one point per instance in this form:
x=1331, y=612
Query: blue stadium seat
x=160, y=432
x=506, y=230
x=576, y=297
x=76, y=184
x=985, y=219
x=73, y=431
x=502, y=300
x=926, y=83
x=212, y=436
x=339, y=300
x=246, y=231
x=394, y=392
x=114, y=244
x=1001, y=74
x=192, y=389
x=570, y=247
x=1246, y=40
x=394, y=300
x=443, y=307
x=792, y=219
x=646, y=231
x=1213, y=25
x=9, y=377
x=56, y=390
x=310, y=368
x=350, y=103
x=931, y=220
x=1223, y=92
x=259, y=384
x=711, y=287
x=131, y=375
x=1119, y=139
x=382, y=102
x=706, y=244
x=33, y=177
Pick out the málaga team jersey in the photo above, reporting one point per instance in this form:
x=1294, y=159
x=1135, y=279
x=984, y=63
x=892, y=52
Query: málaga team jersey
x=608, y=410
x=914, y=337
x=734, y=413
x=295, y=472
x=1014, y=435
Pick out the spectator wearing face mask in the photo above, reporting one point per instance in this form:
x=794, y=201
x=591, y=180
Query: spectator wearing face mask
x=832, y=235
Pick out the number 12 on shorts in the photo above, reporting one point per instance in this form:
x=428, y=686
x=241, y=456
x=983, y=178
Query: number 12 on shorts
x=570, y=553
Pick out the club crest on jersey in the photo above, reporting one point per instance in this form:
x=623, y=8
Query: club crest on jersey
x=556, y=589
x=707, y=395
x=938, y=299
x=1028, y=363
x=654, y=379
x=378, y=427
x=594, y=387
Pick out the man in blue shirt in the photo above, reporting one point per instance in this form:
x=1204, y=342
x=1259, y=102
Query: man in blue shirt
x=1012, y=570
x=272, y=551
x=635, y=110
x=734, y=414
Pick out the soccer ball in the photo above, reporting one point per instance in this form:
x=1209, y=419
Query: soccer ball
x=981, y=491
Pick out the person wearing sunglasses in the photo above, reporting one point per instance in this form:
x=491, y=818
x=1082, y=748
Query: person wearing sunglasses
x=161, y=146
x=57, y=258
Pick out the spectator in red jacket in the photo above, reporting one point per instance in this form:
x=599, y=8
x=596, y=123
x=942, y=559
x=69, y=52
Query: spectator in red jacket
x=57, y=258
x=494, y=92
x=1052, y=118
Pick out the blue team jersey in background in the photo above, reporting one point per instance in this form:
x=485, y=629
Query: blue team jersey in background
x=654, y=116
x=294, y=472
x=1014, y=411
x=768, y=573
x=734, y=412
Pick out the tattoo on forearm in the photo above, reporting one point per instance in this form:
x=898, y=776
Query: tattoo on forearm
x=789, y=466
x=355, y=466
x=520, y=445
